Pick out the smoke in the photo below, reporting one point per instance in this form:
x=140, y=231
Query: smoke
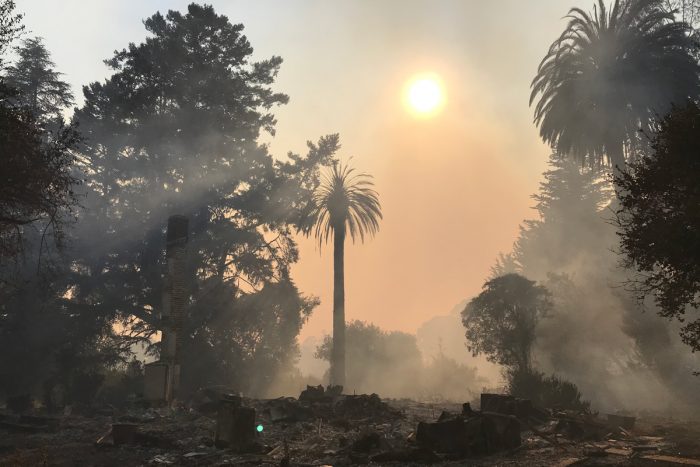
x=308, y=364
x=585, y=341
x=620, y=354
x=445, y=334
x=432, y=365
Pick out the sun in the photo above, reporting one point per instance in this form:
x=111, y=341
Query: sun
x=424, y=95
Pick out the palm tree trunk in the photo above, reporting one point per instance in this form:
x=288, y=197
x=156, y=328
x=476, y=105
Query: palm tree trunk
x=338, y=351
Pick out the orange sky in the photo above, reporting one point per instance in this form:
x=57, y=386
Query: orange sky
x=453, y=188
x=451, y=197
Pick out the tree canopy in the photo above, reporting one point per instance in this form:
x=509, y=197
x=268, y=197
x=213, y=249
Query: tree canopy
x=40, y=87
x=500, y=322
x=569, y=204
x=609, y=74
x=41, y=339
x=39, y=183
x=659, y=218
x=10, y=25
x=174, y=130
x=38, y=150
x=377, y=361
x=345, y=201
x=390, y=363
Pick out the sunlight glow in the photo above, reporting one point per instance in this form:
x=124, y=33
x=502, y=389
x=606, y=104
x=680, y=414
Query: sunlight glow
x=424, y=95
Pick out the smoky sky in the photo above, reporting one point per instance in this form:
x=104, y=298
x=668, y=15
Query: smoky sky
x=453, y=188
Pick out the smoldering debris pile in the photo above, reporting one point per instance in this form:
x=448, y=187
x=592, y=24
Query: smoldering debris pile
x=325, y=427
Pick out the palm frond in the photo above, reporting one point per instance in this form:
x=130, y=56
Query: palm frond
x=610, y=73
x=347, y=201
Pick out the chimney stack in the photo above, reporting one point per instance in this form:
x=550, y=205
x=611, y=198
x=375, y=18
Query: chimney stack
x=174, y=298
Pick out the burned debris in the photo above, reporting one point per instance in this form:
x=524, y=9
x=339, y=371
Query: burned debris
x=325, y=427
x=116, y=321
x=467, y=436
x=235, y=425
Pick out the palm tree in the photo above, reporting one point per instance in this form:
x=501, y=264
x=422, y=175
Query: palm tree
x=609, y=75
x=345, y=202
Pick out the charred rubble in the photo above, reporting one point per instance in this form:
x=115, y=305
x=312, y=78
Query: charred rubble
x=323, y=426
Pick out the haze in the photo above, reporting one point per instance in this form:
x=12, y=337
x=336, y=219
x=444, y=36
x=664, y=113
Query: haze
x=345, y=68
x=333, y=233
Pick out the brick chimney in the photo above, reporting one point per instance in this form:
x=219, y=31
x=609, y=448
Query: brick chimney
x=174, y=298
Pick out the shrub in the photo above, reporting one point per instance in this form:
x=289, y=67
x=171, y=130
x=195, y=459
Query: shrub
x=546, y=391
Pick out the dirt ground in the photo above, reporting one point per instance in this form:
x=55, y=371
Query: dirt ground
x=352, y=431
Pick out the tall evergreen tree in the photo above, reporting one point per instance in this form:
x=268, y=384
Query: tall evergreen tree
x=37, y=194
x=10, y=26
x=174, y=130
x=596, y=330
x=569, y=221
x=40, y=87
x=40, y=338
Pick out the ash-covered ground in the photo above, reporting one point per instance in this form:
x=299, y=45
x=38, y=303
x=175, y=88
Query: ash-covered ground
x=326, y=428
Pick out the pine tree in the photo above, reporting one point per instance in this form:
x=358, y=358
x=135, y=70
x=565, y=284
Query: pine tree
x=40, y=87
x=174, y=130
x=569, y=204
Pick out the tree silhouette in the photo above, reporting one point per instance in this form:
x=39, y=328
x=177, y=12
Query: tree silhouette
x=41, y=89
x=377, y=361
x=687, y=11
x=10, y=25
x=659, y=219
x=569, y=204
x=174, y=130
x=40, y=339
x=608, y=75
x=500, y=322
x=567, y=248
x=344, y=203
x=39, y=172
x=38, y=180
